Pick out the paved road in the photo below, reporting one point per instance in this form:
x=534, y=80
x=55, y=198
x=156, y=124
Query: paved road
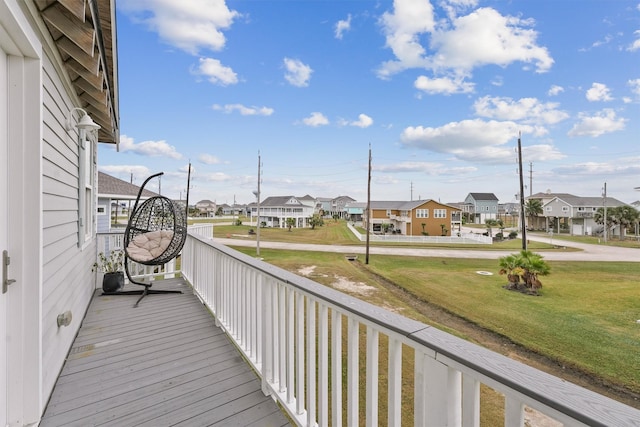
x=587, y=252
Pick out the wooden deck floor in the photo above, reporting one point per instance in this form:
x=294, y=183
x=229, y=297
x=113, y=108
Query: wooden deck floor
x=164, y=363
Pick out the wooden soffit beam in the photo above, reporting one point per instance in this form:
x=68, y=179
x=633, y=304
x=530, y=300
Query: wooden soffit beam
x=79, y=31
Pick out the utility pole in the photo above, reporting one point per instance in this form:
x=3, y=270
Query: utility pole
x=366, y=258
x=186, y=203
x=412, y=191
x=522, y=216
x=258, y=196
x=530, y=179
x=604, y=205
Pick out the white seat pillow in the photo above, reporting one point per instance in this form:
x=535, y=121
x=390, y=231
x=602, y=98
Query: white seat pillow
x=147, y=246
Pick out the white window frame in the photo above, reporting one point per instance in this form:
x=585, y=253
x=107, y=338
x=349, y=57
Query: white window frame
x=422, y=213
x=86, y=187
x=439, y=213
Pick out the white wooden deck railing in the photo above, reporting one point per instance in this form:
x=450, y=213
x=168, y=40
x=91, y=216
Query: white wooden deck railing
x=317, y=352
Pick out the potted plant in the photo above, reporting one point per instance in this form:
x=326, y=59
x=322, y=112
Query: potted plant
x=111, y=266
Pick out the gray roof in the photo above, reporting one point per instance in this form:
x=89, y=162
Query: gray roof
x=589, y=201
x=483, y=196
x=109, y=186
x=403, y=205
x=276, y=201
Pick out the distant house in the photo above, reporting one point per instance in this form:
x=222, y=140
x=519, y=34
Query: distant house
x=334, y=206
x=275, y=210
x=414, y=218
x=563, y=212
x=478, y=207
x=353, y=211
x=115, y=199
x=206, y=208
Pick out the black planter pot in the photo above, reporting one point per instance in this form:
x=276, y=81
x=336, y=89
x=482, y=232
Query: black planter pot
x=113, y=282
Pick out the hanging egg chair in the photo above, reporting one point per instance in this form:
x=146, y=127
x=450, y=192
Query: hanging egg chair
x=155, y=234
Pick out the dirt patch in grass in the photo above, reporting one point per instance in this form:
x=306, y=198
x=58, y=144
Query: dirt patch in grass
x=503, y=345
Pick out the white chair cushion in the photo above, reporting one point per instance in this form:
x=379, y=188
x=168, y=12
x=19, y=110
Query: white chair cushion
x=147, y=246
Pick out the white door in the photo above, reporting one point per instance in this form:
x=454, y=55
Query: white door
x=4, y=178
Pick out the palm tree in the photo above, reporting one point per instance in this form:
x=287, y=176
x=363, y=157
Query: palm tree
x=526, y=264
x=490, y=223
x=533, y=208
x=534, y=265
x=290, y=222
x=511, y=266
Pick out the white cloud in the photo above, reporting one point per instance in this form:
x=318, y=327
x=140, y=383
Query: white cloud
x=599, y=92
x=635, y=45
x=148, y=148
x=444, y=85
x=208, y=159
x=603, y=122
x=527, y=110
x=461, y=44
x=486, y=37
x=342, y=26
x=244, y=110
x=428, y=168
x=363, y=121
x=555, y=90
x=402, y=29
x=316, y=119
x=541, y=153
x=214, y=177
x=216, y=73
x=473, y=140
x=125, y=172
x=297, y=73
x=635, y=86
x=189, y=25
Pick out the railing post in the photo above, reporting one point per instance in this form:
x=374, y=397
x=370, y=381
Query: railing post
x=470, y=402
x=372, y=377
x=323, y=366
x=352, y=372
x=300, y=385
x=513, y=412
x=267, y=336
x=395, y=383
x=336, y=368
x=311, y=362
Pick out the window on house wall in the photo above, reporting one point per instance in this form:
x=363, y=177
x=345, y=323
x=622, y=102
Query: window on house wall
x=422, y=213
x=548, y=209
x=86, y=187
x=439, y=213
x=565, y=209
x=388, y=212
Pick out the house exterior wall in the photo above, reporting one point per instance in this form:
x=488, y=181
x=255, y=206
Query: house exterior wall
x=68, y=283
x=409, y=223
x=432, y=224
x=482, y=209
x=103, y=215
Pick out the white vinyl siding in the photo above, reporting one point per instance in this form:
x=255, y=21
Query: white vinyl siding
x=67, y=280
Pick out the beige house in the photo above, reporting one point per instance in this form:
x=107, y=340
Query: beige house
x=414, y=218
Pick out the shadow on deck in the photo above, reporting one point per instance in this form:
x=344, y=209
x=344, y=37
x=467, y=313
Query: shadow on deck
x=163, y=363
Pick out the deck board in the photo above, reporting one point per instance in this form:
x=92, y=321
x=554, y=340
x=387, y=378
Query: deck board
x=162, y=363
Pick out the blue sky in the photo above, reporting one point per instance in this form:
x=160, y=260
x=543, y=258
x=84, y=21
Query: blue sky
x=439, y=90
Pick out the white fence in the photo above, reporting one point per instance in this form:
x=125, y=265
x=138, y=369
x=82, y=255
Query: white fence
x=464, y=238
x=317, y=352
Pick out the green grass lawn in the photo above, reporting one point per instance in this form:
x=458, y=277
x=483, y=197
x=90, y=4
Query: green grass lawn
x=585, y=316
